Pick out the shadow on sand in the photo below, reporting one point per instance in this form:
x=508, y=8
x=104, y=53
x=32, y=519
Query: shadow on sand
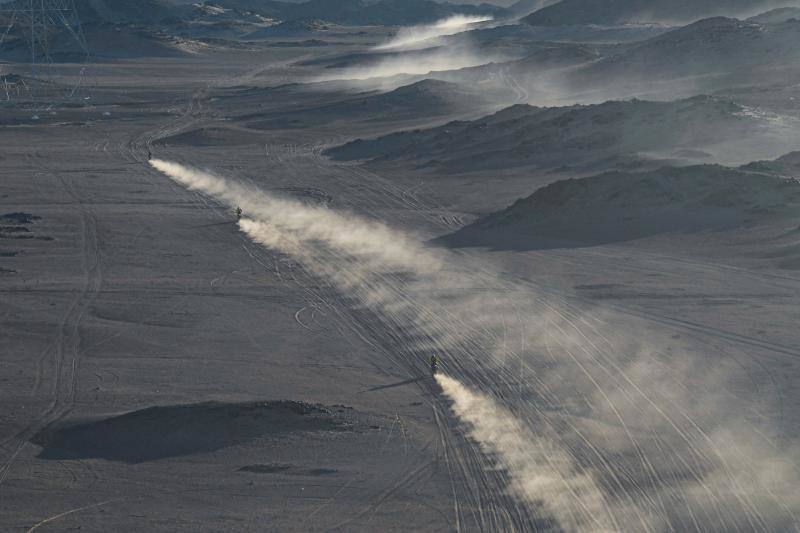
x=392, y=385
x=170, y=431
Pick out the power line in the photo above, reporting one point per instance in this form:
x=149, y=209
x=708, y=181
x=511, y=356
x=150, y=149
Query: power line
x=51, y=32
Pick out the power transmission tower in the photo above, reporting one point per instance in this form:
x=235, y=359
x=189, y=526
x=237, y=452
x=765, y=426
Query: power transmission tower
x=40, y=33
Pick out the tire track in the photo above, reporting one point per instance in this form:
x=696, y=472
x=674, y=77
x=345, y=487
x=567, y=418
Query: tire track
x=399, y=334
x=65, y=349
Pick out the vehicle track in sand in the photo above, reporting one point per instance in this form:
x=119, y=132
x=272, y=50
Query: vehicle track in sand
x=338, y=311
x=64, y=353
x=482, y=486
x=649, y=478
x=694, y=445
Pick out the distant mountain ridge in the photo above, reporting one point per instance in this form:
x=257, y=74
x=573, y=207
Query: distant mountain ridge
x=362, y=12
x=713, y=45
x=166, y=27
x=598, y=136
x=776, y=16
x=427, y=98
x=620, y=206
x=347, y=12
x=575, y=12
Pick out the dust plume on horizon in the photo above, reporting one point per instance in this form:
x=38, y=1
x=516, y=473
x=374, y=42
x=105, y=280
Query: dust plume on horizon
x=409, y=37
x=420, y=50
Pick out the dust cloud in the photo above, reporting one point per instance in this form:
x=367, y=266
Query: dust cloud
x=410, y=37
x=599, y=425
x=540, y=473
x=419, y=50
x=434, y=60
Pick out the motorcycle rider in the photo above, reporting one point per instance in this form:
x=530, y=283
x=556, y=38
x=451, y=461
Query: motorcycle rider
x=434, y=363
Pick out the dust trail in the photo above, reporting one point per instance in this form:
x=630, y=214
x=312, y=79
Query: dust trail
x=411, y=36
x=541, y=474
x=434, y=60
x=591, y=425
x=420, y=50
x=381, y=248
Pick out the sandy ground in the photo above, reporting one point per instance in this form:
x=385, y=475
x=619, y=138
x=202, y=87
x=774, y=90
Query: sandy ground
x=134, y=293
x=135, y=303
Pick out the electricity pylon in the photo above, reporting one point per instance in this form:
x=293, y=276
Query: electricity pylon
x=39, y=33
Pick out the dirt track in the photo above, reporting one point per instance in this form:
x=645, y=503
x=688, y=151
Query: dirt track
x=148, y=300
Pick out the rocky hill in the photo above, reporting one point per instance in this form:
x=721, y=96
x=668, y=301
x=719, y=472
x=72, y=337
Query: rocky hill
x=607, y=135
x=704, y=57
x=608, y=12
x=776, y=16
x=362, y=12
x=620, y=206
x=710, y=45
x=427, y=98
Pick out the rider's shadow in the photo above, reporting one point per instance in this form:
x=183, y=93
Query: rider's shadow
x=391, y=385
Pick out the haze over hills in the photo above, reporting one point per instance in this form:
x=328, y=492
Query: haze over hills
x=607, y=63
x=362, y=12
x=517, y=80
x=354, y=12
x=419, y=102
x=401, y=265
x=621, y=206
x=427, y=98
x=709, y=45
x=119, y=28
x=577, y=137
x=291, y=28
x=571, y=12
x=705, y=56
x=776, y=16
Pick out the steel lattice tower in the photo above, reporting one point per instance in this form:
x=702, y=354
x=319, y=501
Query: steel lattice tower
x=51, y=31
